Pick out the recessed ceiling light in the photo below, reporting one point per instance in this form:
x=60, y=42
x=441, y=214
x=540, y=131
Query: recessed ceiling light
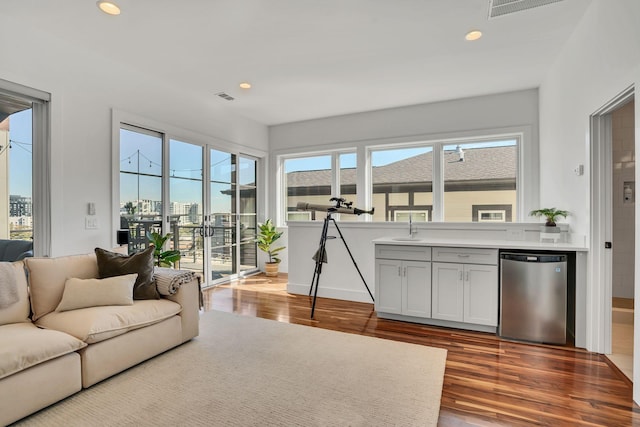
x=245, y=85
x=108, y=7
x=473, y=35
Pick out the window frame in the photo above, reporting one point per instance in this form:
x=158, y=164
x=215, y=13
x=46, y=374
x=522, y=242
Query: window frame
x=282, y=193
x=437, y=145
x=527, y=167
x=41, y=161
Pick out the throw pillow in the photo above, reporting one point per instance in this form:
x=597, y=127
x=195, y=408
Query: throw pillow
x=113, y=264
x=14, y=296
x=84, y=293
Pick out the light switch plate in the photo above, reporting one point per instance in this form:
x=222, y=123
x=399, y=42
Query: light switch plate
x=91, y=223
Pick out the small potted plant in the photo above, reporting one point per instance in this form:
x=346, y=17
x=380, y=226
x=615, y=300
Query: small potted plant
x=551, y=214
x=266, y=238
x=163, y=258
x=550, y=231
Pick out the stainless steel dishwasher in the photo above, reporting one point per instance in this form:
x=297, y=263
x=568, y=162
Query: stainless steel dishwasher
x=533, y=297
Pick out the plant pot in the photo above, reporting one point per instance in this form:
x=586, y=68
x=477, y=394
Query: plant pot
x=550, y=234
x=271, y=269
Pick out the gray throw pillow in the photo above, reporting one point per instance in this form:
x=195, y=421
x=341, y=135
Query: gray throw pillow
x=112, y=264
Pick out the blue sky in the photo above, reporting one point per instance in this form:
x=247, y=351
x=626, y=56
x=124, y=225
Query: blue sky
x=20, y=172
x=143, y=153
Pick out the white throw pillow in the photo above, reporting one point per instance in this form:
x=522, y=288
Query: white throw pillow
x=84, y=293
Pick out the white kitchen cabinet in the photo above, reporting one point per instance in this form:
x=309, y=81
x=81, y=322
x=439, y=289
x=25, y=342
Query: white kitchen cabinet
x=481, y=294
x=465, y=292
x=403, y=280
x=448, y=291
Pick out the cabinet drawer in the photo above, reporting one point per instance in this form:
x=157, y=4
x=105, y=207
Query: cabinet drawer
x=409, y=253
x=466, y=255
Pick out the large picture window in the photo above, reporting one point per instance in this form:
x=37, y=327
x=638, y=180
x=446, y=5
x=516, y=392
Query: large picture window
x=465, y=180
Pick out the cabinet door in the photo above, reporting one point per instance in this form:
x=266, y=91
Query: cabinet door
x=481, y=294
x=388, y=286
x=416, y=288
x=447, y=291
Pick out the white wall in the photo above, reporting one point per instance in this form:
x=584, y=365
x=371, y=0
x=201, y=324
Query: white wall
x=84, y=89
x=596, y=64
x=600, y=60
x=447, y=119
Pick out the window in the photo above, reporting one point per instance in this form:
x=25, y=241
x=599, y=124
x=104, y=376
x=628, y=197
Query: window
x=315, y=180
x=298, y=216
x=140, y=184
x=482, y=173
x=457, y=180
x=25, y=207
x=401, y=180
x=417, y=216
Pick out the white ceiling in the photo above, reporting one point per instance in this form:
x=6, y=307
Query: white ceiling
x=316, y=58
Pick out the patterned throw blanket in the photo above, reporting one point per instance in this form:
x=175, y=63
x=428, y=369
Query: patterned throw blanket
x=8, y=287
x=168, y=280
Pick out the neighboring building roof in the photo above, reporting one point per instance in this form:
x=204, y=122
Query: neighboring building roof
x=479, y=164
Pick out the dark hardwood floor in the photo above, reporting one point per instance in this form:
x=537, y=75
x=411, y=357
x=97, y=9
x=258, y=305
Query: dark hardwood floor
x=488, y=380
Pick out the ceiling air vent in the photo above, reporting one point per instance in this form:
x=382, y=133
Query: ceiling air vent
x=226, y=96
x=505, y=7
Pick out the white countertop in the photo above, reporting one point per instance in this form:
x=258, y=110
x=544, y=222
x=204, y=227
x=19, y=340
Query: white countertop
x=466, y=243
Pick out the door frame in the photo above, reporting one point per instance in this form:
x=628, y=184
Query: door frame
x=600, y=288
x=207, y=142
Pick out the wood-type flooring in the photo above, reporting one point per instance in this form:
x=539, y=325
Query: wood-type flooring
x=488, y=380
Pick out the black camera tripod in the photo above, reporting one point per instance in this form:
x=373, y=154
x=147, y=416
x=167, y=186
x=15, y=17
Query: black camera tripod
x=321, y=257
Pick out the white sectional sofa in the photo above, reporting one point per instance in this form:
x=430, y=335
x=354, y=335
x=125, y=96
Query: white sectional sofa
x=50, y=350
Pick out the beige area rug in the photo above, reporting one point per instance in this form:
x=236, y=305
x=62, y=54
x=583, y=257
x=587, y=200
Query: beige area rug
x=244, y=371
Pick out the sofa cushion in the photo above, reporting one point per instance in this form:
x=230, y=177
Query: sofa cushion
x=47, y=277
x=23, y=345
x=114, y=264
x=96, y=324
x=83, y=293
x=14, y=295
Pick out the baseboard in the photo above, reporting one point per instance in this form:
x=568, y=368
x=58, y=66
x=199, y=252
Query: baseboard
x=328, y=292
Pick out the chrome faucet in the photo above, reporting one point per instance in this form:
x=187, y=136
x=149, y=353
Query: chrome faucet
x=411, y=232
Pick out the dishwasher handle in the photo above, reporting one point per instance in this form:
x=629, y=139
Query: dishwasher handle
x=533, y=257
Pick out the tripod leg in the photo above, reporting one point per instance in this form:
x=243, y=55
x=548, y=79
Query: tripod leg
x=320, y=255
x=353, y=259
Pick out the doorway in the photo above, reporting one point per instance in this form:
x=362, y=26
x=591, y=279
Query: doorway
x=613, y=229
x=623, y=233
x=204, y=197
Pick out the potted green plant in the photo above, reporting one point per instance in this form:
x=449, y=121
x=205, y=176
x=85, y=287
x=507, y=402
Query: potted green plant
x=549, y=231
x=163, y=258
x=266, y=238
x=551, y=214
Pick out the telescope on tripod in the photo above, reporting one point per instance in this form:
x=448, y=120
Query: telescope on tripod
x=343, y=207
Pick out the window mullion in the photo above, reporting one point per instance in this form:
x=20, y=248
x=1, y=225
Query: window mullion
x=437, y=212
x=166, y=175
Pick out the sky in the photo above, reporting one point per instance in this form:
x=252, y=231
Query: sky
x=378, y=157
x=142, y=153
x=20, y=156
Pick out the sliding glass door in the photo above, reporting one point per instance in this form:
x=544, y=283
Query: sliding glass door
x=233, y=214
x=186, y=214
x=204, y=197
